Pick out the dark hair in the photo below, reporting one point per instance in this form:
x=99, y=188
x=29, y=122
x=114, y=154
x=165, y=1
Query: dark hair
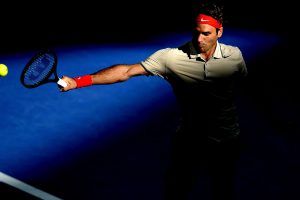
x=211, y=8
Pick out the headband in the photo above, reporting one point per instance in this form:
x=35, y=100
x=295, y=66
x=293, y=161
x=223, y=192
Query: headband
x=205, y=19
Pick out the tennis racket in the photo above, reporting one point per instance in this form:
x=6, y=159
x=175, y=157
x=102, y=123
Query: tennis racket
x=41, y=69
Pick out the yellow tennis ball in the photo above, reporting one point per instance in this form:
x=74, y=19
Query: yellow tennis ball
x=3, y=70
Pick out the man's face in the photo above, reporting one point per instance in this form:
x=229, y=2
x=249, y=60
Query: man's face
x=205, y=37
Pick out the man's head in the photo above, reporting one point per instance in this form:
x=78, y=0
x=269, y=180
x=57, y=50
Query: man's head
x=208, y=26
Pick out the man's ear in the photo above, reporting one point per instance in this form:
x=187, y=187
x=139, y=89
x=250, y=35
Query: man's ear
x=220, y=32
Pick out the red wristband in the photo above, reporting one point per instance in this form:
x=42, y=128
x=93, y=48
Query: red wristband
x=83, y=81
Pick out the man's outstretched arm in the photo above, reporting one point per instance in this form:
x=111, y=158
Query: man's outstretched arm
x=113, y=74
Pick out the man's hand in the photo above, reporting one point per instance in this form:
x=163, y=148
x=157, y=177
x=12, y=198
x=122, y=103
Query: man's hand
x=71, y=84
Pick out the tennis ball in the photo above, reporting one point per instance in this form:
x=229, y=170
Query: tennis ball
x=3, y=70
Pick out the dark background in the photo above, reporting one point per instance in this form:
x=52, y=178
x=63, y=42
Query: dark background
x=38, y=23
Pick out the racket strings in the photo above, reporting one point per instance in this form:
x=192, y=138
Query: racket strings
x=39, y=69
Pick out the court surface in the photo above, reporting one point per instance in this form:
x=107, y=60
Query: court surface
x=111, y=142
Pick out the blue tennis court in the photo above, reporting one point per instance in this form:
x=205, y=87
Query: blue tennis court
x=111, y=142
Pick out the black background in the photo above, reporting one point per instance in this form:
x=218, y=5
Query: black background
x=31, y=24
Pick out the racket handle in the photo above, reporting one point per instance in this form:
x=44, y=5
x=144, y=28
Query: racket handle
x=62, y=83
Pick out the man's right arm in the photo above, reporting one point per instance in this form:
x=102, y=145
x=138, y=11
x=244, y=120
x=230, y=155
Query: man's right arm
x=113, y=74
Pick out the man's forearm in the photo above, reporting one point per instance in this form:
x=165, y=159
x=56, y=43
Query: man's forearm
x=113, y=74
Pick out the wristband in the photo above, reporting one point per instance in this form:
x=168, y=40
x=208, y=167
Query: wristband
x=83, y=81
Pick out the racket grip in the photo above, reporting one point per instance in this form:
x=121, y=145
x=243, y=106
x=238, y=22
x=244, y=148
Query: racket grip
x=62, y=83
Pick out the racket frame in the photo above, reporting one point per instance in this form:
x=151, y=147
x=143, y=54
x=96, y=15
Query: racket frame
x=51, y=72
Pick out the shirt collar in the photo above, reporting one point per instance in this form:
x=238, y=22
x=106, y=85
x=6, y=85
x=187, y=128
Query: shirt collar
x=218, y=52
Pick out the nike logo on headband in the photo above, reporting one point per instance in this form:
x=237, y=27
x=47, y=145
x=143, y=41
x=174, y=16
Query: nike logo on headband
x=204, y=20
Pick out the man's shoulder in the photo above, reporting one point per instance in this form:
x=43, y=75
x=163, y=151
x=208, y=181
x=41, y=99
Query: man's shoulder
x=229, y=50
x=165, y=51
